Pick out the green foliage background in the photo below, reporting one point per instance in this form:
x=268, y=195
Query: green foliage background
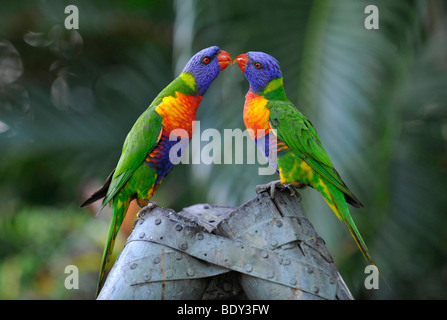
x=376, y=97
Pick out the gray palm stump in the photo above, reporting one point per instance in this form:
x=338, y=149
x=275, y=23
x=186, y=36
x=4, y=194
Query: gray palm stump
x=264, y=249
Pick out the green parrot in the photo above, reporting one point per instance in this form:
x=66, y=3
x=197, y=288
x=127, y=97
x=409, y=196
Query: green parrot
x=300, y=157
x=145, y=158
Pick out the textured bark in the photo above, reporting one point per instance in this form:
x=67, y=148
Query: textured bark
x=264, y=249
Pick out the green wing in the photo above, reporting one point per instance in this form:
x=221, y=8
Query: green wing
x=297, y=132
x=141, y=139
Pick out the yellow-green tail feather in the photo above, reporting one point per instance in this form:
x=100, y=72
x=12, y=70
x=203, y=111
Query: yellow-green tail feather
x=119, y=211
x=337, y=202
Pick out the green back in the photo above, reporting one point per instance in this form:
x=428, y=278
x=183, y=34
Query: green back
x=296, y=131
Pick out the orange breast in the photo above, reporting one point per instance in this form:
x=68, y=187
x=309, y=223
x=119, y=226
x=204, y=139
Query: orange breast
x=178, y=112
x=256, y=115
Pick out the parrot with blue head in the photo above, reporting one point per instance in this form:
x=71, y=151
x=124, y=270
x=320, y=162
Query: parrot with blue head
x=299, y=156
x=145, y=158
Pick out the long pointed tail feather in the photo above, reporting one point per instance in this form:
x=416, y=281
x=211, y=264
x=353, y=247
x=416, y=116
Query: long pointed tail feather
x=340, y=208
x=336, y=201
x=119, y=211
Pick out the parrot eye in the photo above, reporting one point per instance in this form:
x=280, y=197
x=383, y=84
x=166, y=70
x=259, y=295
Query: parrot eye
x=258, y=65
x=206, y=60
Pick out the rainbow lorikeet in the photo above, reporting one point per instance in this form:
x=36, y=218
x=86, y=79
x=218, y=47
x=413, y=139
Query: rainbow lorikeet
x=145, y=161
x=300, y=157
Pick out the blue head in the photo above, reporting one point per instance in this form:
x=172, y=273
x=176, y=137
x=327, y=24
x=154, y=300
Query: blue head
x=259, y=68
x=205, y=66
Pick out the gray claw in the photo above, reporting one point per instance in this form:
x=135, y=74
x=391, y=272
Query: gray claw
x=292, y=190
x=272, y=186
x=148, y=208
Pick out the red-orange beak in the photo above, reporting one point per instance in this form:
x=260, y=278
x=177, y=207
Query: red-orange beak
x=242, y=61
x=223, y=58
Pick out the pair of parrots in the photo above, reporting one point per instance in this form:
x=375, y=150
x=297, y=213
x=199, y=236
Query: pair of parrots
x=300, y=160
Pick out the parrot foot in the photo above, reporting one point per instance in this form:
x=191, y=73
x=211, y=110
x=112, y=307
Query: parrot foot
x=272, y=186
x=292, y=190
x=149, y=206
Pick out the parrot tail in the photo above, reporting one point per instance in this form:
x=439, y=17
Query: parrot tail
x=119, y=211
x=336, y=201
x=347, y=220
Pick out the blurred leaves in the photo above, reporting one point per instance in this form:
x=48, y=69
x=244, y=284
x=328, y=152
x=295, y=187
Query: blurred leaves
x=376, y=97
x=39, y=242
